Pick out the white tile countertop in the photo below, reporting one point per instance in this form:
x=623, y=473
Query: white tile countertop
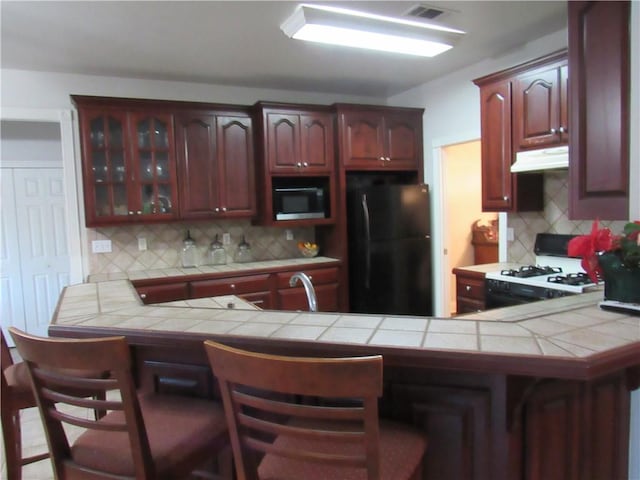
x=231, y=267
x=569, y=327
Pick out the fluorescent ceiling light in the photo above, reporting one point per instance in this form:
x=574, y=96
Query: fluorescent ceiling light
x=350, y=28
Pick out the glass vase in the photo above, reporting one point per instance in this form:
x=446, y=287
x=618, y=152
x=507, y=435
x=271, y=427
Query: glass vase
x=621, y=283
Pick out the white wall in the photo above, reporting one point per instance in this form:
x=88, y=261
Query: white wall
x=30, y=89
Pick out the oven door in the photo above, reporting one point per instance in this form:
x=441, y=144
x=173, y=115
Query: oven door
x=498, y=300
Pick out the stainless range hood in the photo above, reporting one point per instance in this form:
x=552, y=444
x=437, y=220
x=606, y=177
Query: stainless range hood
x=542, y=159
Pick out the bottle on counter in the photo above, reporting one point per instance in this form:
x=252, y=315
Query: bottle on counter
x=189, y=252
x=244, y=255
x=217, y=253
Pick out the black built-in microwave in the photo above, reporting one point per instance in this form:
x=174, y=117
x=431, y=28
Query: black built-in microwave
x=300, y=202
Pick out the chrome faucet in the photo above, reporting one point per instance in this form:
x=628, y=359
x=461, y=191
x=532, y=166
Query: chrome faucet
x=308, y=288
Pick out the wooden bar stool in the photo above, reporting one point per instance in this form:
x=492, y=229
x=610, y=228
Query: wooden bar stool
x=334, y=433
x=16, y=395
x=150, y=436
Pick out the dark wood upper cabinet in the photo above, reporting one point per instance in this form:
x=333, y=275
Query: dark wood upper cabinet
x=215, y=162
x=539, y=108
x=495, y=108
x=128, y=163
x=521, y=108
x=300, y=142
x=159, y=161
x=379, y=138
x=295, y=146
x=599, y=90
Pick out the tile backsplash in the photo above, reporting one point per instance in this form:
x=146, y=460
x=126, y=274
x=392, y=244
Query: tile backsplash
x=164, y=244
x=554, y=219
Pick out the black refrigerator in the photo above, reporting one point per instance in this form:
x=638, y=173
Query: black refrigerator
x=390, y=249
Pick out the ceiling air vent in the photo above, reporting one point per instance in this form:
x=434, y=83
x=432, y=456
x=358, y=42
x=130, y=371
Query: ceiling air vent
x=427, y=12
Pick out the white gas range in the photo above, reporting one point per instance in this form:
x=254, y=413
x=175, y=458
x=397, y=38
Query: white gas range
x=554, y=275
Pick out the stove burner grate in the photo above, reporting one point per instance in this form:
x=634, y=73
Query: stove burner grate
x=530, y=271
x=571, y=279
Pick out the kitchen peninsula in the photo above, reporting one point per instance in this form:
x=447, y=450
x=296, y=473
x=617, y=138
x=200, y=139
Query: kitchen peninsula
x=539, y=391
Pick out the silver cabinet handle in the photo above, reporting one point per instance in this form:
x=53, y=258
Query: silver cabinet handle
x=382, y=159
x=131, y=212
x=305, y=164
x=224, y=209
x=232, y=286
x=139, y=212
x=561, y=129
x=468, y=288
x=553, y=130
x=216, y=209
x=505, y=198
x=388, y=159
x=299, y=165
x=143, y=295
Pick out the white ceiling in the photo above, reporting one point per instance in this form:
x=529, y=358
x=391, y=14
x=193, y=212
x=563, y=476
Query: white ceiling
x=240, y=42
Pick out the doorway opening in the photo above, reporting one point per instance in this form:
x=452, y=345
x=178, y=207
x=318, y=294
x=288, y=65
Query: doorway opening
x=462, y=208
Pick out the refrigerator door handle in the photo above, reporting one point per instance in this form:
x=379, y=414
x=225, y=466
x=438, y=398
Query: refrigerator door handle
x=367, y=236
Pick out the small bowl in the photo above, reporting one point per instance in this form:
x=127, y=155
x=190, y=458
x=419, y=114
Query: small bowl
x=308, y=251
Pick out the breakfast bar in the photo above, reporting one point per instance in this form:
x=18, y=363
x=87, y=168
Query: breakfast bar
x=538, y=391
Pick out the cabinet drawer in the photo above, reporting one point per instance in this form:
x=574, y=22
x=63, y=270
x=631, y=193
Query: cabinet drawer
x=466, y=305
x=293, y=299
x=230, y=286
x=472, y=288
x=163, y=293
x=318, y=277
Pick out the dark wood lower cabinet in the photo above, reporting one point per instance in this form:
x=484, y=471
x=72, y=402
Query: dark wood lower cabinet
x=481, y=426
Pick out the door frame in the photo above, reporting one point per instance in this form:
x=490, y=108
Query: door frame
x=70, y=175
x=440, y=216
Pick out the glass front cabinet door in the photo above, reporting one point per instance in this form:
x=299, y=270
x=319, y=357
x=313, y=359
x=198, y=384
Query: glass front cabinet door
x=154, y=186
x=129, y=166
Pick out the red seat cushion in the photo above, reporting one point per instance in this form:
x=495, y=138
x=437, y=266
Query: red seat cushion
x=176, y=427
x=401, y=450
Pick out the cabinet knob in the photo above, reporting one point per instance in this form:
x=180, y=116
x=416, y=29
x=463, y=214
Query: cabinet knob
x=553, y=130
x=468, y=288
x=299, y=165
x=505, y=198
x=224, y=209
x=139, y=212
x=382, y=159
x=305, y=164
x=232, y=286
x=143, y=295
x=388, y=159
x=131, y=212
x=563, y=130
x=217, y=209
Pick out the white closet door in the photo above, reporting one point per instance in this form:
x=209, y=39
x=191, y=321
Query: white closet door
x=11, y=301
x=42, y=243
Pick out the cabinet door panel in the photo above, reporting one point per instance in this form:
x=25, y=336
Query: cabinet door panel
x=363, y=139
x=155, y=183
x=403, y=141
x=235, y=157
x=316, y=142
x=536, y=107
x=495, y=107
x=599, y=89
x=106, y=166
x=284, y=142
x=199, y=179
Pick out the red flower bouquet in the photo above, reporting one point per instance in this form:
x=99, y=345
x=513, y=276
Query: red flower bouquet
x=601, y=240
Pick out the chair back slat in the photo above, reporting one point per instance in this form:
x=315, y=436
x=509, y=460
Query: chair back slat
x=290, y=406
x=61, y=375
